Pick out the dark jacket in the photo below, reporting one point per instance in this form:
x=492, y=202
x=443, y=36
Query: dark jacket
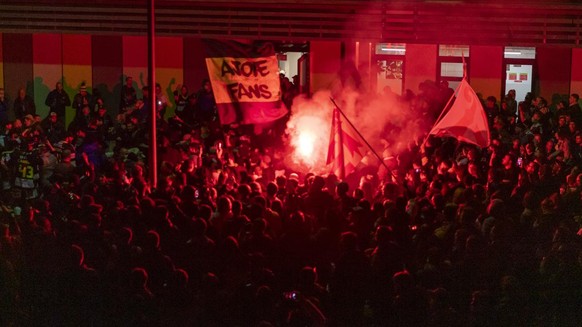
x=58, y=101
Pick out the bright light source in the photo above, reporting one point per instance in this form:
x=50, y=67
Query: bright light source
x=512, y=53
x=306, y=144
x=309, y=138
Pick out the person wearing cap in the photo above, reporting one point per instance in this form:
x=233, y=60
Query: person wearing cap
x=23, y=105
x=82, y=99
x=57, y=100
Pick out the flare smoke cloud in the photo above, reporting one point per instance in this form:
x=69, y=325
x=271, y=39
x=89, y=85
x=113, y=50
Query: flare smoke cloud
x=386, y=121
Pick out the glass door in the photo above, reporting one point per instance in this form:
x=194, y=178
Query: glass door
x=518, y=77
x=519, y=70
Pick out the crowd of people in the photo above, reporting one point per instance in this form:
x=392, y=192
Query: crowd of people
x=456, y=236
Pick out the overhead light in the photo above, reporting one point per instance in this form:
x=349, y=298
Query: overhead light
x=512, y=53
x=393, y=49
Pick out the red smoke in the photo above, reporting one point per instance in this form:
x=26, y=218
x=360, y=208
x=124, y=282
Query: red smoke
x=309, y=130
x=387, y=123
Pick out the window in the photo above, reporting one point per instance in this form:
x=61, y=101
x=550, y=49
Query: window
x=450, y=63
x=396, y=49
x=519, y=53
x=452, y=69
x=454, y=51
x=389, y=58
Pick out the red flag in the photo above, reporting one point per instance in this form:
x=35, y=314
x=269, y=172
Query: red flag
x=331, y=155
x=466, y=120
x=345, y=149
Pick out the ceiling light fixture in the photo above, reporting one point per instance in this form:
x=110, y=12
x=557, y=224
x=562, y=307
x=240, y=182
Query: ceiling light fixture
x=393, y=49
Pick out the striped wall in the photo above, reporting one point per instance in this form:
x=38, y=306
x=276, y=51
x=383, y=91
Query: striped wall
x=576, y=71
x=17, y=59
x=76, y=66
x=107, y=64
x=194, y=63
x=554, y=72
x=38, y=61
x=47, y=67
x=134, y=62
x=325, y=62
x=1, y=64
x=486, y=73
x=169, y=63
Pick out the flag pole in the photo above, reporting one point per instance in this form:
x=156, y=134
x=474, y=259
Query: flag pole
x=362, y=137
x=152, y=94
x=340, y=134
x=464, y=65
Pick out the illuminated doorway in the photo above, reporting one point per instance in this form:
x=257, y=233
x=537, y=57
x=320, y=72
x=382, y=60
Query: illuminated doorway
x=519, y=66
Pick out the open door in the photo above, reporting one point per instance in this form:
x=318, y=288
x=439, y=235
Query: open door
x=303, y=72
